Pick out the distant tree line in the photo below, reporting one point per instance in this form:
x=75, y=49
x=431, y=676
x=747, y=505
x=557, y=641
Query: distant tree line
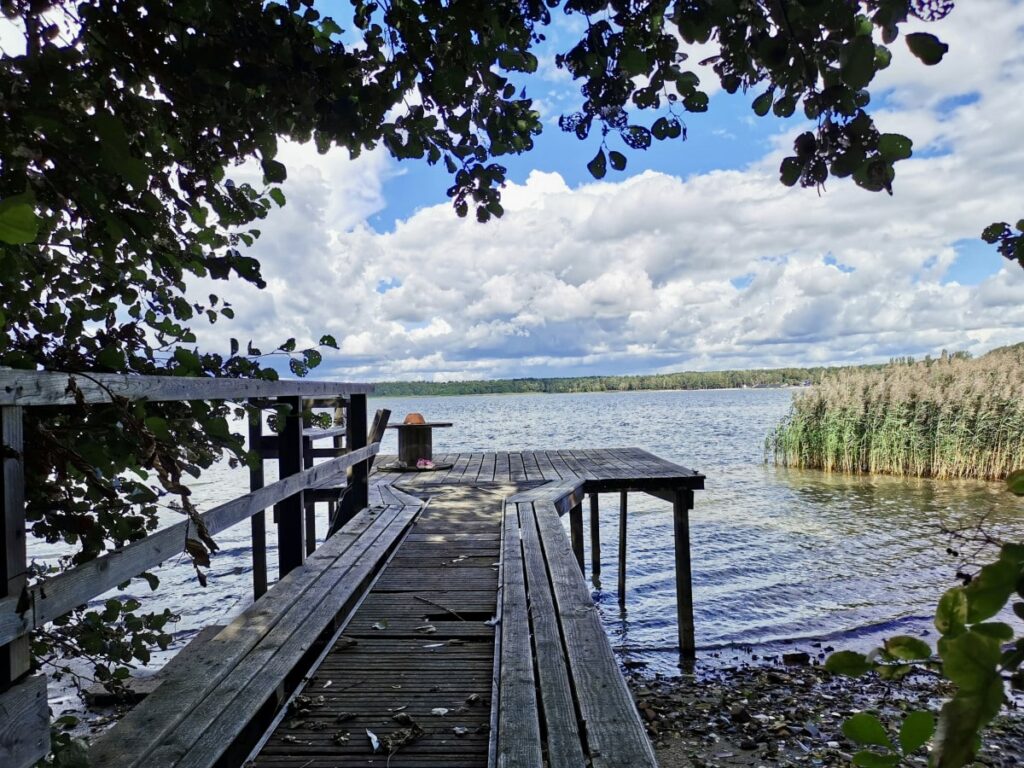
x=764, y=377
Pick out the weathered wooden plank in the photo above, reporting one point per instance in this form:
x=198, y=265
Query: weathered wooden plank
x=503, y=468
x=560, y=466
x=20, y=387
x=487, y=467
x=15, y=656
x=56, y=596
x=24, y=724
x=613, y=731
x=563, y=735
x=517, y=468
x=533, y=472
x=134, y=735
x=258, y=521
x=518, y=742
x=211, y=727
x=547, y=469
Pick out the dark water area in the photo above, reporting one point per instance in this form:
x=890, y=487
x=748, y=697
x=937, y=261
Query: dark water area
x=779, y=556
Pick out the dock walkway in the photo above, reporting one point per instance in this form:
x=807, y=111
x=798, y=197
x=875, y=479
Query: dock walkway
x=416, y=665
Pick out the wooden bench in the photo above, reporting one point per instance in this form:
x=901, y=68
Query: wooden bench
x=212, y=711
x=562, y=699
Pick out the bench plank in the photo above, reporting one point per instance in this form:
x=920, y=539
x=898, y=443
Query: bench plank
x=210, y=728
x=614, y=734
x=127, y=743
x=518, y=717
x=564, y=744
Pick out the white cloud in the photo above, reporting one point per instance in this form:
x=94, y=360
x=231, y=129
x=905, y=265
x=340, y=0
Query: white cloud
x=722, y=269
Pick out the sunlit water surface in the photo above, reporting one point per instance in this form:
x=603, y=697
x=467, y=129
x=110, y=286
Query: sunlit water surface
x=778, y=555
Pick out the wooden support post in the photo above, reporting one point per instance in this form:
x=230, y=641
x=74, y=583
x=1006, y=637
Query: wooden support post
x=15, y=658
x=355, y=433
x=576, y=532
x=684, y=586
x=622, y=547
x=259, y=520
x=308, y=503
x=290, y=550
x=595, y=537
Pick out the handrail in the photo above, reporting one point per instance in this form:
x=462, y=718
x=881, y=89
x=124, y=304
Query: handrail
x=28, y=388
x=53, y=597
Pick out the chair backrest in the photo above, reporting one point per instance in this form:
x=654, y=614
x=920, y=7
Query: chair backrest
x=343, y=511
x=377, y=427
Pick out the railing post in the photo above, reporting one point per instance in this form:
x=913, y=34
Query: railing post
x=595, y=540
x=681, y=507
x=25, y=720
x=355, y=434
x=259, y=520
x=576, y=532
x=309, y=505
x=290, y=549
x=15, y=658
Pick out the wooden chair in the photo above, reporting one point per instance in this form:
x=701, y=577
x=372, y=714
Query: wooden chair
x=344, y=510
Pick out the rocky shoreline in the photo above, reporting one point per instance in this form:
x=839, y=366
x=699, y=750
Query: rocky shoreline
x=775, y=714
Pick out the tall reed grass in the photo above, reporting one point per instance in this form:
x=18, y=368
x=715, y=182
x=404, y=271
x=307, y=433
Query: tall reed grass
x=946, y=418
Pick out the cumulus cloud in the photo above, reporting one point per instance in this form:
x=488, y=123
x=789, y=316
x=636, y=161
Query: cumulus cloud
x=656, y=272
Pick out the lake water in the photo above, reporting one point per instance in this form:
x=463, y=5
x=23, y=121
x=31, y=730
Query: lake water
x=779, y=555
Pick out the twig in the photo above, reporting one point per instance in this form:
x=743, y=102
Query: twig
x=438, y=605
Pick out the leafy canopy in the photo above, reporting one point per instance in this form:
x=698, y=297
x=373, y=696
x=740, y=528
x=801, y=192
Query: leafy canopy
x=124, y=122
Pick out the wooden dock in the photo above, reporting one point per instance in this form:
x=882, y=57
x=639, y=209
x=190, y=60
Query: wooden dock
x=416, y=664
x=446, y=622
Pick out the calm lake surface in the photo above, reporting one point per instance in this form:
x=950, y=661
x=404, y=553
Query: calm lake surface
x=779, y=556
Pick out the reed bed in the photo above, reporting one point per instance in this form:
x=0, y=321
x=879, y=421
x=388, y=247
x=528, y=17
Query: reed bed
x=953, y=417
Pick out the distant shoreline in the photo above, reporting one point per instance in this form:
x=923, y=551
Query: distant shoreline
x=762, y=378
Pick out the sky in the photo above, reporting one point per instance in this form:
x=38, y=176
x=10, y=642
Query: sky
x=695, y=258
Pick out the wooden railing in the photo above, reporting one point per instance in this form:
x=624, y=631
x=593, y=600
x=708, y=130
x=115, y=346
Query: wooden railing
x=24, y=716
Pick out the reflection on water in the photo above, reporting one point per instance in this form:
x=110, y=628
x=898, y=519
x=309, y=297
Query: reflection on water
x=777, y=553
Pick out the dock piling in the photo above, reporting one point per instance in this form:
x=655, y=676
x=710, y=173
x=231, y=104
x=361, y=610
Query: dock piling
x=595, y=539
x=622, y=547
x=681, y=507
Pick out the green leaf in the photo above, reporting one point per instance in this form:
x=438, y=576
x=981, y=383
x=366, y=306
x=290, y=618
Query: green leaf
x=762, y=104
x=18, y=221
x=865, y=728
x=970, y=660
x=893, y=146
x=927, y=47
x=868, y=759
x=951, y=615
x=277, y=196
x=790, y=171
x=997, y=630
x=633, y=62
x=849, y=663
x=990, y=589
x=960, y=722
x=617, y=160
x=916, y=730
x=597, y=166
x=908, y=648
x=158, y=426
x=274, y=172
x=857, y=62
x=328, y=341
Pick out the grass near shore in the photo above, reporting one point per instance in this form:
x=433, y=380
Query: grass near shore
x=945, y=418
